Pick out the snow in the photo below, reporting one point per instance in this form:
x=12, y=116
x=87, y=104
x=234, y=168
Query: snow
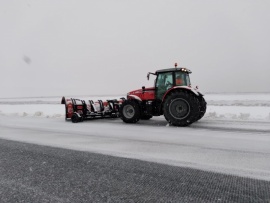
x=232, y=138
x=241, y=106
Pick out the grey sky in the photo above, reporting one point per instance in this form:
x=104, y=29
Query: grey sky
x=71, y=47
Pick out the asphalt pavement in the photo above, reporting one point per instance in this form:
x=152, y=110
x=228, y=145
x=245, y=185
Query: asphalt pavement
x=34, y=173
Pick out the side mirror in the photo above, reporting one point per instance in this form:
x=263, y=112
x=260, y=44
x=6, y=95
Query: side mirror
x=148, y=76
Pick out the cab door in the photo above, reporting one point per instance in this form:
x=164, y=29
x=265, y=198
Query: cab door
x=163, y=83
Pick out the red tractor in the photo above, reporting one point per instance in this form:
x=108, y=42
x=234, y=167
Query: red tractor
x=172, y=96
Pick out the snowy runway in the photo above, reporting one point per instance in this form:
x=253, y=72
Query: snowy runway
x=238, y=146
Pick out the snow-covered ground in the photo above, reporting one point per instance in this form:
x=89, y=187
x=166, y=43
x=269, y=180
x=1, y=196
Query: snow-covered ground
x=232, y=138
x=238, y=106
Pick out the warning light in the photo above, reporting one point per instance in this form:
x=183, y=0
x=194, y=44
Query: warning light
x=175, y=65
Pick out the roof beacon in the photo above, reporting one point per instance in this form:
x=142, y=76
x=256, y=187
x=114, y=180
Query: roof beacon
x=175, y=65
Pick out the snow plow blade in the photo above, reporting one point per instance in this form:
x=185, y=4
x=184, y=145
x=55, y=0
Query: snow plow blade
x=79, y=110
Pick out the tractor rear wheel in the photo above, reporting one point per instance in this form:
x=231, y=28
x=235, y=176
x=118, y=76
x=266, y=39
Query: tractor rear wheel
x=181, y=108
x=202, y=107
x=130, y=111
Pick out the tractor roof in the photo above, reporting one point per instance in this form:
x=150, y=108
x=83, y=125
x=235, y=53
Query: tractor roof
x=173, y=70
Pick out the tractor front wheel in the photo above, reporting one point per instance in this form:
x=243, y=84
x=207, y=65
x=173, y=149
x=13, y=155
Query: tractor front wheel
x=130, y=111
x=181, y=108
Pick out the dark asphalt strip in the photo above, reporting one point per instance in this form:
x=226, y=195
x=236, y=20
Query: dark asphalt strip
x=33, y=173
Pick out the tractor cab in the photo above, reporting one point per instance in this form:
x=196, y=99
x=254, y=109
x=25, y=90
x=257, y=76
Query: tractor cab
x=169, y=78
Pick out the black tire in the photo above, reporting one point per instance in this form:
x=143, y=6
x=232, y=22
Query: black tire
x=181, y=108
x=130, y=111
x=146, y=117
x=202, y=107
x=75, y=118
x=66, y=118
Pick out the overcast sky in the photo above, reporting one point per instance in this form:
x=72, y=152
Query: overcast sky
x=76, y=47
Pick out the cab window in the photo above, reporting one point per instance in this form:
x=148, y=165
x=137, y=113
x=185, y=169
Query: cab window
x=163, y=83
x=164, y=79
x=182, y=79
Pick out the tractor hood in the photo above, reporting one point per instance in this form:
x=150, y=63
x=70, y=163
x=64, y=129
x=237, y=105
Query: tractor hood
x=142, y=94
x=139, y=91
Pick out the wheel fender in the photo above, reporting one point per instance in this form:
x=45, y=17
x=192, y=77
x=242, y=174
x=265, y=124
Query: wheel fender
x=181, y=87
x=200, y=93
x=134, y=97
